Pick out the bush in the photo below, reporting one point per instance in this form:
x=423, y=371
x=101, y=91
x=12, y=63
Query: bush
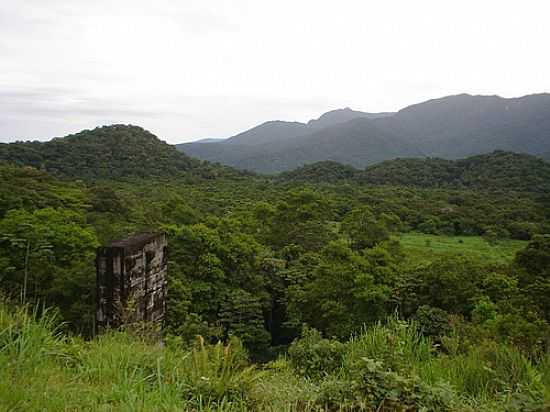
x=396, y=392
x=432, y=321
x=371, y=386
x=484, y=310
x=314, y=356
x=380, y=372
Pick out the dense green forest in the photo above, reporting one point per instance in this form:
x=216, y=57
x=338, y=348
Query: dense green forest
x=494, y=171
x=411, y=285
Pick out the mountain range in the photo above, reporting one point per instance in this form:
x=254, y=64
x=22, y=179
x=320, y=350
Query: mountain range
x=451, y=127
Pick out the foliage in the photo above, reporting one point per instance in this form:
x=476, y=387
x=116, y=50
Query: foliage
x=367, y=230
x=346, y=289
x=432, y=321
x=452, y=284
x=314, y=356
x=28, y=189
x=320, y=172
x=534, y=277
x=49, y=256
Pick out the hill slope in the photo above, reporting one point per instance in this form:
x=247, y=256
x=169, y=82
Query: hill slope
x=106, y=152
x=451, y=127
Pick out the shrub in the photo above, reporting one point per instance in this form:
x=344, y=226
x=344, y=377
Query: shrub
x=484, y=310
x=371, y=386
x=432, y=321
x=387, y=390
x=314, y=356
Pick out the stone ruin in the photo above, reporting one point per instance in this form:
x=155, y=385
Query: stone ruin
x=131, y=280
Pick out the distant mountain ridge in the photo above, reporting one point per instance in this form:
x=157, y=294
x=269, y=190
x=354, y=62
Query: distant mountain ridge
x=356, y=143
x=269, y=132
x=343, y=115
x=261, y=144
x=450, y=127
x=209, y=140
x=274, y=130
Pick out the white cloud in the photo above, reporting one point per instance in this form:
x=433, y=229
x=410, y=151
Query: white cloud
x=193, y=69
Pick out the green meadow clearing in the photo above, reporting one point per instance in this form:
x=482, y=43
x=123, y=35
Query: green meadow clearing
x=424, y=247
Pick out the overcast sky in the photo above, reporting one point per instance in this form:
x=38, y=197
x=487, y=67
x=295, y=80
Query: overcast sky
x=192, y=69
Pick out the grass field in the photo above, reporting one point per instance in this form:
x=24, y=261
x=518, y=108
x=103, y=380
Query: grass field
x=423, y=247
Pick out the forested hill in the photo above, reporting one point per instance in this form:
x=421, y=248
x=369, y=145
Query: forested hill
x=498, y=170
x=117, y=151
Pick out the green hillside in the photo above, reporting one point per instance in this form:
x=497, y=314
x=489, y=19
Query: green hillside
x=107, y=152
x=493, y=171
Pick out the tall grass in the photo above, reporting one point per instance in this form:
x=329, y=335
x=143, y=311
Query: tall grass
x=24, y=337
x=42, y=370
x=483, y=371
x=488, y=376
x=218, y=373
x=399, y=344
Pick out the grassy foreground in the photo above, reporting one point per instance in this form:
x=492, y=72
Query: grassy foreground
x=385, y=368
x=424, y=247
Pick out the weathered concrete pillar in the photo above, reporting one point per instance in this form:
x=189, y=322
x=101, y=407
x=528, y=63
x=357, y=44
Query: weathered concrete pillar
x=131, y=280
